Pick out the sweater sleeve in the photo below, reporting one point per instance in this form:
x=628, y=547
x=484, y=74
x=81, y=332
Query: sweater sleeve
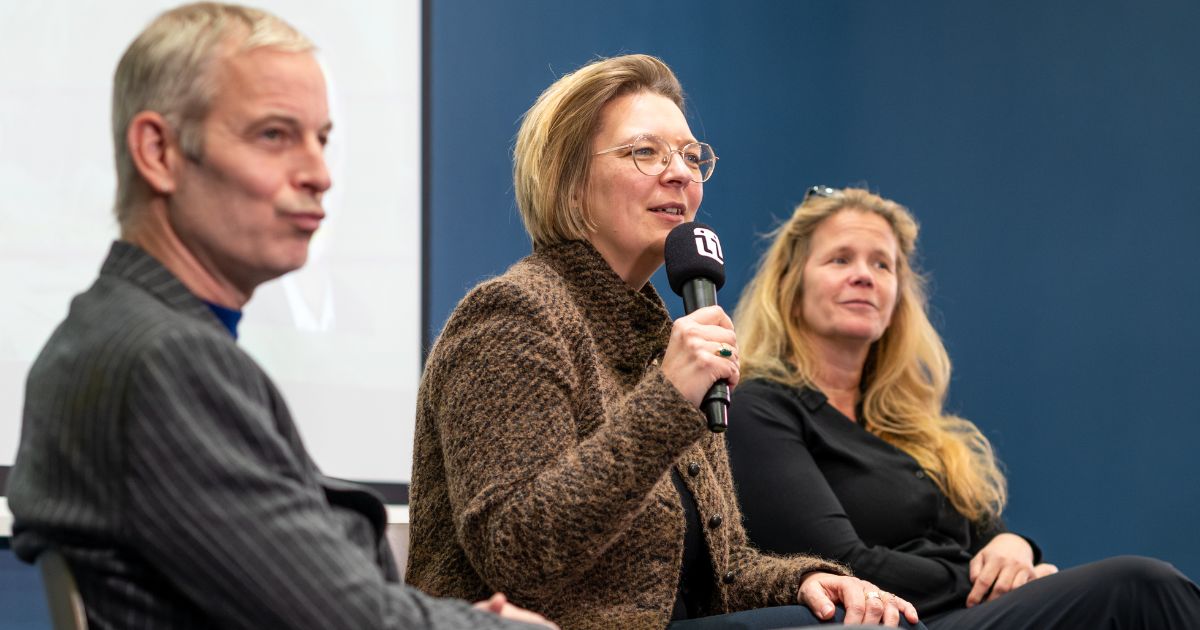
x=791, y=508
x=542, y=482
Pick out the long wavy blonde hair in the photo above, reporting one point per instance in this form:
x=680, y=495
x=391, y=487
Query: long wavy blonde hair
x=907, y=371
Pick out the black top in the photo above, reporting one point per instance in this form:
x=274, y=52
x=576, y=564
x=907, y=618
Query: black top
x=696, y=573
x=810, y=480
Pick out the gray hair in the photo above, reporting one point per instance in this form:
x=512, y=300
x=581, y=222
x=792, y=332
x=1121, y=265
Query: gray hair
x=167, y=69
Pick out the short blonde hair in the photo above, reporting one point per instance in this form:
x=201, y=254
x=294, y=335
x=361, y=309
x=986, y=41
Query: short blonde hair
x=167, y=69
x=553, y=153
x=907, y=372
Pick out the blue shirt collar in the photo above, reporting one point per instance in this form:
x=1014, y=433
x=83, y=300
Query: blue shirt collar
x=228, y=317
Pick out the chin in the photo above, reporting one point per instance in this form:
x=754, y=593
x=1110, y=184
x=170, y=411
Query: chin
x=865, y=335
x=289, y=262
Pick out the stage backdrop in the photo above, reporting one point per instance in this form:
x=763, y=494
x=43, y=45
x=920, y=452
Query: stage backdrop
x=1050, y=151
x=342, y=336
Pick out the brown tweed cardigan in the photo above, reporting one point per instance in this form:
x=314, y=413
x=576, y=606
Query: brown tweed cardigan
x=545, y=433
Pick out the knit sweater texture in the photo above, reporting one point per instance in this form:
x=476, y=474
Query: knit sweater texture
x=545, y=435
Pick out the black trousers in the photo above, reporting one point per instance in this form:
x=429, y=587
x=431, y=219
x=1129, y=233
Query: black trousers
x=1125, y=592
x=774, y=618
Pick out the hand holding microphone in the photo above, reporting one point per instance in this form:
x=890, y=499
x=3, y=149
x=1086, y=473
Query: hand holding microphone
x=701, y=357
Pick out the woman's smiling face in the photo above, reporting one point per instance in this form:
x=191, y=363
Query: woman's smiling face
x=850, y=282
x=633, y=212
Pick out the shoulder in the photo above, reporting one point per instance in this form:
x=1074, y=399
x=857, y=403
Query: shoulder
x=117, y=324
x=529, y=296
x=122, y=347
x=770, y=405
x=765, y=393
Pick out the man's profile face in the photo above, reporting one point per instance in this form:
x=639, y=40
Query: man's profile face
x=248, y=208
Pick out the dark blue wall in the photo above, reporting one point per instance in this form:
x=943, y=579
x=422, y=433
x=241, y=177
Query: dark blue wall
x=22, y=599
x=1050, y=150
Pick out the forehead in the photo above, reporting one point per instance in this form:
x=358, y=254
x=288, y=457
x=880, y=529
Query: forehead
x=643, y=112
x=852, y=227
x=270, y=78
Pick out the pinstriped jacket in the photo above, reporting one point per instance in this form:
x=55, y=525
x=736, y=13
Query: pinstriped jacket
x=545, y=435
x=163, y=462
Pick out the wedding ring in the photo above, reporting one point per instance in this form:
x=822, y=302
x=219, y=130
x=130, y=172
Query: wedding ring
x=872, y=594
x=724, y=351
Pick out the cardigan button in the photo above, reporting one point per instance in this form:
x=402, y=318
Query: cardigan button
x=728, y=577
x=920, y=474
x=715, y=521
x=693, y=469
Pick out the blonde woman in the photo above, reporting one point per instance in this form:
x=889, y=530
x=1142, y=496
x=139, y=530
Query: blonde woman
x=561, y=457
x=840, y=446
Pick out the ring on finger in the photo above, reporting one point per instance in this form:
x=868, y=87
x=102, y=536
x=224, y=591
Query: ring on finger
x=873, y=595
x=724, y=351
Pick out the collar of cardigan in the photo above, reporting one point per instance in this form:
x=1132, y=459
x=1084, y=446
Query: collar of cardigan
x=631, y=328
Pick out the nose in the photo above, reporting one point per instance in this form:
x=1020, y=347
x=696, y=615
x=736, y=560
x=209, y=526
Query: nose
x=312, y=175
x=860, y=275
x=676, y=172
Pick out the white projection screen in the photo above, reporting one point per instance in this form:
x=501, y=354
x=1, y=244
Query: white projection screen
x=342, y=336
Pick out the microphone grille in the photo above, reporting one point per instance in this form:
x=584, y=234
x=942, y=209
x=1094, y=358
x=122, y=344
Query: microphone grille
x=693, y=251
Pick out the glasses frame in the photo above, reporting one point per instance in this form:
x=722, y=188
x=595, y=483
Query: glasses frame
x=667, y=160
x=825, y=192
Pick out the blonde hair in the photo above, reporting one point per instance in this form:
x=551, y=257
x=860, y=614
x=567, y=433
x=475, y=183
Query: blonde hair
x=553, y=152
x=168, y=68
x=907, y=372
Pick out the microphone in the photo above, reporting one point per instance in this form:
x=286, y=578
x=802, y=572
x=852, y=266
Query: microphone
x=696, y=270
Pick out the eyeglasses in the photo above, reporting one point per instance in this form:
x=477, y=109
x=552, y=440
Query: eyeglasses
x=821, y=191
x=652, y=154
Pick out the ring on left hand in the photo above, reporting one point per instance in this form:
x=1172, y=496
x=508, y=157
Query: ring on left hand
x=724, y=351
x=873, y=595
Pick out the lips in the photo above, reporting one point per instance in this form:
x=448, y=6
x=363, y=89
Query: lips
x=671, y=209
x=308, y=221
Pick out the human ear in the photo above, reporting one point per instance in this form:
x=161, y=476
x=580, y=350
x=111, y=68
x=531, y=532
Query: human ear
x=154, y=150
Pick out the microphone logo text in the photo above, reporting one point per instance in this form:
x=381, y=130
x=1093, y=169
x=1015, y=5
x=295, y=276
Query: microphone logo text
x=707, y=244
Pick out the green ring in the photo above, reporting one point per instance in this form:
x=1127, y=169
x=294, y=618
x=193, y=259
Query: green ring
x=725, y=352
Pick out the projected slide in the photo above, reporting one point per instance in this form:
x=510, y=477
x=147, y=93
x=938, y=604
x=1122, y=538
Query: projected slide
x=342, y=336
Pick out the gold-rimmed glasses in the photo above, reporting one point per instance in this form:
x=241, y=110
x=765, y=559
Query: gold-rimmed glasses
x=651, y=155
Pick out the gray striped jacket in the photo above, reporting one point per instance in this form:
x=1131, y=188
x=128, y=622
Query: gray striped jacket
x=163, y=462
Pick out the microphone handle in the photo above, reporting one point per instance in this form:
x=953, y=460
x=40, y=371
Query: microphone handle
x=716, y=406
x=699, y=293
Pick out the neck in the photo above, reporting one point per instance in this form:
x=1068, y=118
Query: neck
x=636, y=272
x=840, y=374
x=153, y=232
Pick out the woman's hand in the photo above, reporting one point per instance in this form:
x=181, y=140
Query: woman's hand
x=1044, y=569
x=863, y=601
x=1002, y=565
x=692, y=362
x=498, y=604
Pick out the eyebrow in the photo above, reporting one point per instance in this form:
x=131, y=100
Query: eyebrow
x=875, y=251
x=290, y=121
x=654, y=135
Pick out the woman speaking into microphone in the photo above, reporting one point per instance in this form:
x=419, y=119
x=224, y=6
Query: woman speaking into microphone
x=560, y=453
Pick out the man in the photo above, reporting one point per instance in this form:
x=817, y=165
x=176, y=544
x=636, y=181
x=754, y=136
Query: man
x=155, y=455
